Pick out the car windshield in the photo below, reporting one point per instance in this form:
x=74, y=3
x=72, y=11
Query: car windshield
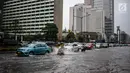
x=30, y=45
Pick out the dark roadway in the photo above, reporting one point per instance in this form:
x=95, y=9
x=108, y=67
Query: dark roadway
x=109, y=60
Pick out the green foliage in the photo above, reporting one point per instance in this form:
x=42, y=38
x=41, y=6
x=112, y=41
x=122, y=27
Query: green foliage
x=70, y=37
x=80, y=38
x=50, y=32
x=69, y=31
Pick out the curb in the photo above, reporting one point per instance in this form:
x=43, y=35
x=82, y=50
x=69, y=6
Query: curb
x=7, y=52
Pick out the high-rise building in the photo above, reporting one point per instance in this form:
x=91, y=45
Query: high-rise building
x=1, y=6
x=108, y=7
x=83, y=18
x=0, y=19
x=88, y=2
x=32, y=15
x=78, y=18
x=96, y=22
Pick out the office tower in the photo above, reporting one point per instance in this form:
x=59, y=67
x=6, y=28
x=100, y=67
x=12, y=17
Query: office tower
x=86, y=19
x=88, y=2
x=1, y=6
x=32, y=15
x=108, y=7
x=78, y=22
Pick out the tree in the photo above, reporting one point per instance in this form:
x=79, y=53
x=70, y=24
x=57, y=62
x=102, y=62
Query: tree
x=38, y=37
x=50, y=32
x=70, y=37
x=80, y=38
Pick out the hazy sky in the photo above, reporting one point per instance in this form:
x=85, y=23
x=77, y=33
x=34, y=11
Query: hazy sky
x=122, y=18
x=67, y=5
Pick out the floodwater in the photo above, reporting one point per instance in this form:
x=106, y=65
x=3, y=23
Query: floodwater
x=105, y=60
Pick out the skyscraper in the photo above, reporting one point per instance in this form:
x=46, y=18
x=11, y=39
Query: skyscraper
x=78, y=18
x=0, y=19
x=1, y=6
x=108, y=7
x=83, y=18
x=88, y=2
x=32, y=15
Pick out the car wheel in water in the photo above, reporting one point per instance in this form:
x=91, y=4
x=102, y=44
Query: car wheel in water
x=31, y=53
x=47, y=52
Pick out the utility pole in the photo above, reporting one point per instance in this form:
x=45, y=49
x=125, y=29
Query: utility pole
x=73, y=21
x=118, y=33
x=81, y=25
x=81, y=16
x=82, y=20
x=81, y=10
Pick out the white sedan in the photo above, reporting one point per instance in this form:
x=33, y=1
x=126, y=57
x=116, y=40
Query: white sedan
x=73, y=46
x=98, y=45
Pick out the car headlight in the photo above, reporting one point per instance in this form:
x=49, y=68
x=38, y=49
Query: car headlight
x=25, y=50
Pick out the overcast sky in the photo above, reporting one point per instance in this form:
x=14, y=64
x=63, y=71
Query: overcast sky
x=67, y=5
x=122, y=18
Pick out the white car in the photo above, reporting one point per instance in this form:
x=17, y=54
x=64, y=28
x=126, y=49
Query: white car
x=73, y=46
x=68, y=46
x=80, y=45
x=104, y=45
x=111, y=45
x=101, y=45
x=98, y=45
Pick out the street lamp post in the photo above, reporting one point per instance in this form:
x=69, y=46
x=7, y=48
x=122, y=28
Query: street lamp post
x=118, y=33
x=82, y=20
x=81, y=24
x=81, y=9
x=73, y=21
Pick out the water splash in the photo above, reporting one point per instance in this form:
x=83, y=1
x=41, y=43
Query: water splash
x=55, y=51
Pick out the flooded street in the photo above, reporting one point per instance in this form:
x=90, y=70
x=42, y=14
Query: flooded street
x=106, y=60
